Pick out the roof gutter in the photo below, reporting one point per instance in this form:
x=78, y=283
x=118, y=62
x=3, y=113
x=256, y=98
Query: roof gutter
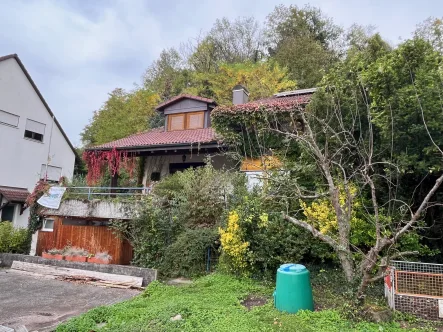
x=181, y=146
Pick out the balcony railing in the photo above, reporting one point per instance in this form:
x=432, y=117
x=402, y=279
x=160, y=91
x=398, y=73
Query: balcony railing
x=102, y=192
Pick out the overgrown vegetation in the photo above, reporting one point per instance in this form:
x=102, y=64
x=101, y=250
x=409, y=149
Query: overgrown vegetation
x=213, y=303
x=177, y=224
x=14, y=240
x=358, y=175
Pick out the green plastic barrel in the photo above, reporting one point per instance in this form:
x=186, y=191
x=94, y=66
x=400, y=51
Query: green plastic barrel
x=293, y=291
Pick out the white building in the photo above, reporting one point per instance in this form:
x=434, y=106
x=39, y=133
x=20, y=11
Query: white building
x=33, y=145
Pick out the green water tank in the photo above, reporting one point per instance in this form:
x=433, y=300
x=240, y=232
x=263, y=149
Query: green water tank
x=293, y=291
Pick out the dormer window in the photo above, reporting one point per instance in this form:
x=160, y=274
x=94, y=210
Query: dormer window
x=186, y=112
x=176, y=122
x=183, y=121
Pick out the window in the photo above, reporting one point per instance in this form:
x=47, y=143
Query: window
x=155, y=176
x=182, y=121
x=48, y=225
x=195, y=120
x=34, y=130
x=179, y=167
x=52, y=173
x=7, y=213
x=9, y=118
x=176, y=122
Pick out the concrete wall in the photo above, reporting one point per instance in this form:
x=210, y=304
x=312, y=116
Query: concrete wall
x=22, y=158
x=161, y=163
x=148, y=275
x=100, y=209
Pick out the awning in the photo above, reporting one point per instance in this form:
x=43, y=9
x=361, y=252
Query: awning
x=14, y=194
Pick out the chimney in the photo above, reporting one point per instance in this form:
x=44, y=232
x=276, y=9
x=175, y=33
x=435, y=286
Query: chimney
x=240, y=95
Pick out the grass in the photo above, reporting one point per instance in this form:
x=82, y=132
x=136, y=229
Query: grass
x=213, y=303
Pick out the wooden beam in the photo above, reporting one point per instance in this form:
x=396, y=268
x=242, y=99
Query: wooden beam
x=64, y=271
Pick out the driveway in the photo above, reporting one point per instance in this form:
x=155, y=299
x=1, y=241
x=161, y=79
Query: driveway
x=40, y=304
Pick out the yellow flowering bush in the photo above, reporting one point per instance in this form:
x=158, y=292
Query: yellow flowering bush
x=321, y=215
x=232, y=244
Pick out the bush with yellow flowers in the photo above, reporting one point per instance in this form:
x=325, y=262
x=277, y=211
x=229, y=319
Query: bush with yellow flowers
x=256, y=242
x=234, y=247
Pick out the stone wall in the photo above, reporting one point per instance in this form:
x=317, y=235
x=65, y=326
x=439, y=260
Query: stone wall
x=148, y=275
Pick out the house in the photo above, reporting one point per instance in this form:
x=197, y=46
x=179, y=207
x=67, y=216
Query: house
x=186, y=140
x=33, y=145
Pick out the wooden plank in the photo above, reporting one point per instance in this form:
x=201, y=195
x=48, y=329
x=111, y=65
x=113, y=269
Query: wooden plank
x=63, y=271
x=91, y=238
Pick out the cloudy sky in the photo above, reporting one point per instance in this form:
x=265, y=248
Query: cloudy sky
x=79, y=50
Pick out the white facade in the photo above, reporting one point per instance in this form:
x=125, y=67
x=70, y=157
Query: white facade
x=22, y=158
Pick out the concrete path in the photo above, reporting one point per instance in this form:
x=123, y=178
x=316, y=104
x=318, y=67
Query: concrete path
x=40, y=304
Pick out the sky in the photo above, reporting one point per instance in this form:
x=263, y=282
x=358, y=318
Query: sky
x=77, y=51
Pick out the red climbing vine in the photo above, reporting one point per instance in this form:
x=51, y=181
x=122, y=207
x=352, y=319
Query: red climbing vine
x=114, y=160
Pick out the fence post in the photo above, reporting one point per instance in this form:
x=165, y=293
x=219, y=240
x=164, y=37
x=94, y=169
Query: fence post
x=89, y=193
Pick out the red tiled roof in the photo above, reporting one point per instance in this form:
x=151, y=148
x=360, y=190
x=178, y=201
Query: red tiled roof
x=297, y=99
x=13, y=194
x=275, y=104
x=158, y=136
x=182, y=96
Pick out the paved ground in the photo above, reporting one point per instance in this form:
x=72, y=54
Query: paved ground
x=40, y=304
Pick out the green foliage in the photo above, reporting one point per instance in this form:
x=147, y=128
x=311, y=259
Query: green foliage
x=304, y=40
x=187, y=256
x=121, y=115
x=178, y=223
x=212, y=303
x=262, y=79
x=405, y=90
x=13, y=240
x=271, y=241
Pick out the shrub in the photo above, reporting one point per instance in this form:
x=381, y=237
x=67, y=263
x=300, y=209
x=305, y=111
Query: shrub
x=257, y=242
x=187, y=256
x=14, y=240
x=178, y=222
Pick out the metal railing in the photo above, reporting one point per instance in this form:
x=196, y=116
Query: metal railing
x=90, y=192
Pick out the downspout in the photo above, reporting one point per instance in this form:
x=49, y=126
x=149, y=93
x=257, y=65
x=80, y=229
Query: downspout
x=49, y=149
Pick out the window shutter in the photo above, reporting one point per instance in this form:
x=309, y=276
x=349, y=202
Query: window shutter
x=196, y=120
x=54, y=173
x=9, y=118
x=176, y=122
x=36, y=127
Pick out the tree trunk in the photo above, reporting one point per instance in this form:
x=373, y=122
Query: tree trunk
x=347, y=264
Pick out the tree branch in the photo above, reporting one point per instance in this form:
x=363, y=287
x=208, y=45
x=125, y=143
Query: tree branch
x=316, y=233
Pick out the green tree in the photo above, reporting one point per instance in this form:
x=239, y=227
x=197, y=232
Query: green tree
x=431, y=30
x=167, y=76
x=304, y=40
x=229, y=42
x=262, y=79
x=121, y=115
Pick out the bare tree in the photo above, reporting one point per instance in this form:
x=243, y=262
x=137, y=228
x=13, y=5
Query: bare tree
x=346, y=160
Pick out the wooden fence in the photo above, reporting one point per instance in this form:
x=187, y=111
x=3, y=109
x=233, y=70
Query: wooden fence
x=91, y=238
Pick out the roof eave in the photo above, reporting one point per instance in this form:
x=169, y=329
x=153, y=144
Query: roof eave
x=160, y=146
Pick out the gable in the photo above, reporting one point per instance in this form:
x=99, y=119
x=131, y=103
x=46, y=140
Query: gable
x=38, y=95
x=186, y=105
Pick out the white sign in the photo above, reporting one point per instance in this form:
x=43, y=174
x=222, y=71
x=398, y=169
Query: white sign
x=52, y=199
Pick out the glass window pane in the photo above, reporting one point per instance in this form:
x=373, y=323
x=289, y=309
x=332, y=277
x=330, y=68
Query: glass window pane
x=7, y=213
